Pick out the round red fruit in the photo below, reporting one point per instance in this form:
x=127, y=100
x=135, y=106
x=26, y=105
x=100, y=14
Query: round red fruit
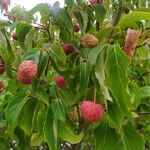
x=26, y=71
x=91, y=112
x=14, y=36
x=76, y=27
x=1, y=86
x=2, y=68
x=5, y=3
x=60, y=82
x=68, y=49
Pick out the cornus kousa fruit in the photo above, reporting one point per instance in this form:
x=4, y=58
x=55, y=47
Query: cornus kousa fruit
x=14, y=36
x=2, y=68
x=1, y=86
x=5, y=4
x=94, y=2
x=131, y=40
x=91, y=112
x=60, y=82
x=27, y=71
x=89, y=41
x=68, y=49
x=76, y=27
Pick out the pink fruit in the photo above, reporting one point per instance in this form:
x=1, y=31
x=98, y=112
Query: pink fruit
x=5, y=4
x=94, y=2
x=2, y=68
x=68, y=49
x=14, y=36
x=91, y=112
x=1, y=86
x=26, y=72
x=60, y=82
x=131, y=41
x=76, y=27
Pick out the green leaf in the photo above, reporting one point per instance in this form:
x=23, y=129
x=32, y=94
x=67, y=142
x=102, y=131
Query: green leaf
x=116, y=71
x=100, y=13
x=36, y=139
x=50, y=130
x=94, y=53
x=41, y=117
x=102, y=35
x=130, y=19
x=106, y=138
x=43, y=59
x=85, y=71
x=61, y=18
x=132, y=139
x=42, y=9
x=22, y=30
x=67, y=97
x=66, y=134
x=69, y=3
x=58, y=110
x=14, y=109
x=100, y=75
x=59, y=53
x=116, y=115
x=82, y=18
x=26, y=118
x=141, y=93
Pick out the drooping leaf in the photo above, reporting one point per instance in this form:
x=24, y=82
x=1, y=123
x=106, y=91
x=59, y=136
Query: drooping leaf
x=85, y=71
x=132, y=139
x=106, y=138
x=100, y=75
x=67, y=134
x=130, y=19
x=141, y=93
x=94, y=53
x=50, y=130
x=58, y=110
x=14, y=108
x=116, y=71
x=21, y=30
x=26, y=118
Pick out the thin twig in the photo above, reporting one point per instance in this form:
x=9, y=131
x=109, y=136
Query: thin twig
x=18, y=18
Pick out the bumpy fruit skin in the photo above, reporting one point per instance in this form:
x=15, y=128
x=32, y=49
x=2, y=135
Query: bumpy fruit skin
x=68, y=49
x=60, y=82
x=131, y=40
x=76, y=27
x=14, y=36
x=2, y=68
x=26, y=72
x=1, y=86
x=91, y=112
x=94, y=2
x=89, y=41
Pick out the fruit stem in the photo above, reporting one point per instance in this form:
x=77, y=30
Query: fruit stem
x=94, y=95
x=15, y=17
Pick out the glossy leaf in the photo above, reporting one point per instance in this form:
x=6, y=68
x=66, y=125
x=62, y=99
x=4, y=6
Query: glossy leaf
x=22, y=30
x=58, y=110
x=85, y=71
x=130, y=19
x=132, y=139
x=106, y=138
x=100, y=74
x=65, y=133
x=50, y=130
x=117, y=81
